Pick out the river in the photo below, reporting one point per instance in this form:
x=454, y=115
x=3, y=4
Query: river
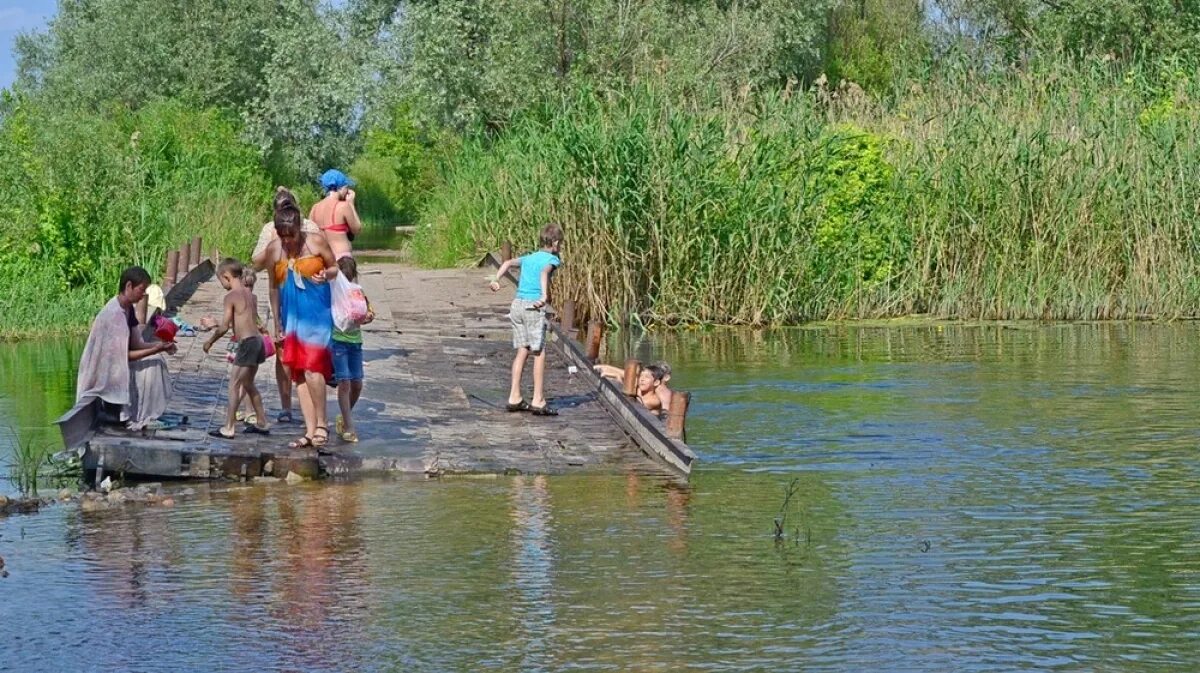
x=963, y=498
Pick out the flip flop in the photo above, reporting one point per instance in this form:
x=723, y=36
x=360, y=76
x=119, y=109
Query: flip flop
x=255, y=430
x=543, y=411
x=350, y=437
x=519, y=406
x=302, y=443
x=221, y=435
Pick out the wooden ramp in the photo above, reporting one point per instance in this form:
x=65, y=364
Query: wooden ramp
x=437, y=363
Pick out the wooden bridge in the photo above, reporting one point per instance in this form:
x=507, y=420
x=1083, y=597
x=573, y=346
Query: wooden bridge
x=436, y=363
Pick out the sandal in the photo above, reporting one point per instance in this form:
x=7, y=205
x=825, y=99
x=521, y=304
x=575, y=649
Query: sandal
x=217, y=433
x=519, y=406
x=302, y=443
x=350, y=437
x=543, y=410
x=255, y=430
x=321, y=439
x=285, y=417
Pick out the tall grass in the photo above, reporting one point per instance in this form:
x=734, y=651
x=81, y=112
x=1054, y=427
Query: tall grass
x=1064, y=191
x=85, y=194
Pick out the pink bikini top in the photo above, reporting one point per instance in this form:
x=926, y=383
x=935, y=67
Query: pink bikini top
x=342, y=228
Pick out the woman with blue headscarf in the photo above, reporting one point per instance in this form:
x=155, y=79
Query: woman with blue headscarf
x=335, y=214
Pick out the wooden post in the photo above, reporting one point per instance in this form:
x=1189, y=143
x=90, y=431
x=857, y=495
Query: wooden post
x=567, y=318
x=594, y=335
x=196, y=247
x=172, y=269
x=633, y=368
x=677, y=415
x=185, y=260
x=505, y=251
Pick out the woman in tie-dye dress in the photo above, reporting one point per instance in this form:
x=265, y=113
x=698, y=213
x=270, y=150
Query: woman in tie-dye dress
x=301, y=265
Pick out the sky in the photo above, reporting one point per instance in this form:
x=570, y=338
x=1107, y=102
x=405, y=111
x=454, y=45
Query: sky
x=18, y=16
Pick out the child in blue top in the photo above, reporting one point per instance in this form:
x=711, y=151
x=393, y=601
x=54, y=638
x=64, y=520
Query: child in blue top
x=528, y=317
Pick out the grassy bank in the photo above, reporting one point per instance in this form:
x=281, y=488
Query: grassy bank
x=83, y=195
x=1064, y=191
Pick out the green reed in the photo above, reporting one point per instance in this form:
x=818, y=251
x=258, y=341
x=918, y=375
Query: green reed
x=1066, y=191
x=85, y=194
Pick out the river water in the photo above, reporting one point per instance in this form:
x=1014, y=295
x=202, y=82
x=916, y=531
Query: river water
x=962, y=499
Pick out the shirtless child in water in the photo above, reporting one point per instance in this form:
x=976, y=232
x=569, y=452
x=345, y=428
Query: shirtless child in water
x=649, y=385
x=241, y=309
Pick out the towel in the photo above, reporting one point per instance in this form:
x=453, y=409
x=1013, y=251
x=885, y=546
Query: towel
x=104, y=368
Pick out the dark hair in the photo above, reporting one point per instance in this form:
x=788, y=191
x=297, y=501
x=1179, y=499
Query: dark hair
x=288, y=218
x=283, y=198
x=230, y=265
x=348, y=267
x=134, y=274
x=551, y=233
x=655, y=371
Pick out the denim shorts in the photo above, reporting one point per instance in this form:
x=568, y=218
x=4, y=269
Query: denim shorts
x=347, y=361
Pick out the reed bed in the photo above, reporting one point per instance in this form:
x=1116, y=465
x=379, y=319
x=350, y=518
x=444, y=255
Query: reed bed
x=1064, y=191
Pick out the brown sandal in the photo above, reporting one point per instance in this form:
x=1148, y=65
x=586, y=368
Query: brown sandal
x=302, y=443
x=321, y=439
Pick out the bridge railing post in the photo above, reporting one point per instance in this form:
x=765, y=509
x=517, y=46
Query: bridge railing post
x=633, y=368
x=172, y=269
x=595, y=335
x=677, y=415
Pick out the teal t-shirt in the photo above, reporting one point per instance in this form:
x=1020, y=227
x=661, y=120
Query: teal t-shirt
x=529, y=286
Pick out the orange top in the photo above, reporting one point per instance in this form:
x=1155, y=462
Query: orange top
x=307, y=266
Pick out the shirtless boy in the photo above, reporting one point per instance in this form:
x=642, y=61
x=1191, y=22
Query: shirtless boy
x=241, y=307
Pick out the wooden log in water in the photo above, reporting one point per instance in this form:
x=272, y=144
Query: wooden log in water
x=197, y=244
x=633, y=368
x=595, y=335
x=677, y=415
x=185, y=260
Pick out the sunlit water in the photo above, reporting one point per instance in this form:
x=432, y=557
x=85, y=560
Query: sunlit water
x=963, y=499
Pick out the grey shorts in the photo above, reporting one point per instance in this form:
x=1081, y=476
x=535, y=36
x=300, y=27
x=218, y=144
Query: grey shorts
x=528, y=324
x=250, y=352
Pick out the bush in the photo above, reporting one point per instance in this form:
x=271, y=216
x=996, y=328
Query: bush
x=83, y=195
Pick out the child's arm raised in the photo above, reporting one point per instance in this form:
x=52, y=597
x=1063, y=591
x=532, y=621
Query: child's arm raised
x=495, y=284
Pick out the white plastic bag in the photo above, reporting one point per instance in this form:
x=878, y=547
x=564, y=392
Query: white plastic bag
x=349, y=303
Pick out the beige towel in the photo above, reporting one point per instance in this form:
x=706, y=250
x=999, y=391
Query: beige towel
x=104, y=367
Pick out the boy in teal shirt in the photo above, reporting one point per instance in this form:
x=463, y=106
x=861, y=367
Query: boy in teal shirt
x=528, y=317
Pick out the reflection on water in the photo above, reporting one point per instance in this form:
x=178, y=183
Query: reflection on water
x=37, y=384
x=966, y=499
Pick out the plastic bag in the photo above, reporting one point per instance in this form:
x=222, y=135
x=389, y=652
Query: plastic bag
x=349, y=303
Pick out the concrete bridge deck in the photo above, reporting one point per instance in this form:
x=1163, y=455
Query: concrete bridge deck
x=436, y=364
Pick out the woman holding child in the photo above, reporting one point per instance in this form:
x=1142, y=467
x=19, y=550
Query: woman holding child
x=283, y=198
x=300, y=265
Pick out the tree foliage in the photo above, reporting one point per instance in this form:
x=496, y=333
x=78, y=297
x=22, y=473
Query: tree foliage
x=476, y=62
x=281, y=66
